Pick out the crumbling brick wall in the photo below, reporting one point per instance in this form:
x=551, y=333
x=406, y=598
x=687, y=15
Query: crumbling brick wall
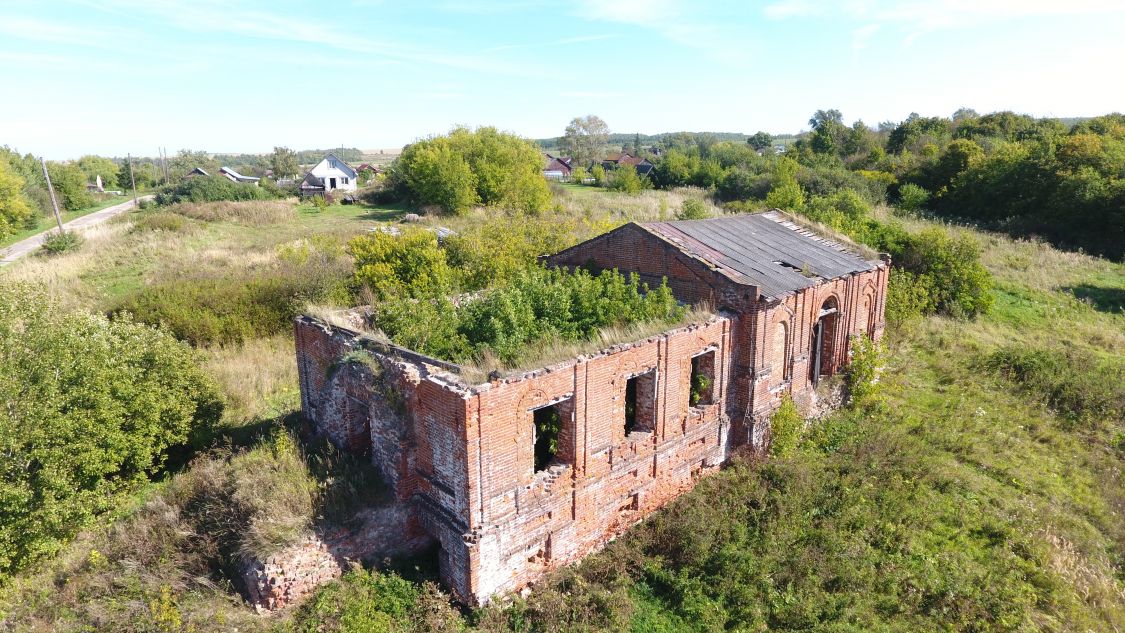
x=526, y=522
x=463, y=457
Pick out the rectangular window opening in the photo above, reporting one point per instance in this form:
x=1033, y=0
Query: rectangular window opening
x=702, y=383
x=640, y=402
x=553, y=433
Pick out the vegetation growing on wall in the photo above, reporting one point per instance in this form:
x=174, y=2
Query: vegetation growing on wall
x=536, y=305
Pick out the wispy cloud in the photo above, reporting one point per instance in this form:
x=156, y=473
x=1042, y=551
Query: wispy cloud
x=586, y=94
x=218, y=16
x=679, y=21
x=932, y=14
x=567, y=41
x=52, y=32
x=862, y=36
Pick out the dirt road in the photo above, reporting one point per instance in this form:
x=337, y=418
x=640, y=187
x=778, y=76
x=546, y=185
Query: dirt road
x=31, y=244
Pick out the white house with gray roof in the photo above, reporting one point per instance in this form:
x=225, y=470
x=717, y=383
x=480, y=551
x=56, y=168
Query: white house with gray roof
x=330, y=174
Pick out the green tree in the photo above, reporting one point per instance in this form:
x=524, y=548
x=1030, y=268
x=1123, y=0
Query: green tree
x=283, y=162
x=94, y=166
x=863, y=373
x=14, y=209
x=785, y=193
x=821, y=118
x=70, y=185
x=597, y=172
x=579, y=174
x=584, y=138
x=674, y=169
x=786, y=426
x=437, y=175
x=625, y=179
x=187, y=160
x=468, y=167
x=760, y=141
x=92, y=409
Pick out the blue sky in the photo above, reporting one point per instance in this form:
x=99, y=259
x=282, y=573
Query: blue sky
x=118, y=76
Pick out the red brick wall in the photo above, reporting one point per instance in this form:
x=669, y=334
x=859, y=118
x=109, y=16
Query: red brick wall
x=464, y=456
x=527, y=522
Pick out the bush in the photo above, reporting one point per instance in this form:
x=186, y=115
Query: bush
x=935, y=272
x=161, y=221
x=626, y=180
x=93, y=408
x=907, y=297
x=863, y=373
x=408, y=265
x=912, y=198
x=535, y=306
x=786, y=425
x=212, y=189
x=1070, y=381
x=69, y=182
x=60, y=242
x=693, y=209
x=950, y=269
x=373, y=602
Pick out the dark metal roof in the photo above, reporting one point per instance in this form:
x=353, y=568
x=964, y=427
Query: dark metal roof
x=766, y=250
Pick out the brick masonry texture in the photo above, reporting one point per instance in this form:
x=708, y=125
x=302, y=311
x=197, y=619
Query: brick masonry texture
x=461, y=458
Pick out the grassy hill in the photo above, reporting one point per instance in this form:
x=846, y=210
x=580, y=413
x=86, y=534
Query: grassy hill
x=986, y=494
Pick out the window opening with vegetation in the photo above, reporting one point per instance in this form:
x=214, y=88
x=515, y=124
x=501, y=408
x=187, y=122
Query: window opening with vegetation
x=640, y=402
x=702, y=379
x=548, y=424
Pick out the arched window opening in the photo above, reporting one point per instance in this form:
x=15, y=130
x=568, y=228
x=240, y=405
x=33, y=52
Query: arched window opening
x=781, y=361
x=823, y=352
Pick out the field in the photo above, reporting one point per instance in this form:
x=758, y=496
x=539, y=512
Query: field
x=970, y=501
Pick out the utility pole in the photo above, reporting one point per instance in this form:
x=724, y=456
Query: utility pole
x=54, y=202
x=163, y=163
x=133, y=180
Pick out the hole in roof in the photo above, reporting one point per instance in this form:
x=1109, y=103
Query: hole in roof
x=805, y=270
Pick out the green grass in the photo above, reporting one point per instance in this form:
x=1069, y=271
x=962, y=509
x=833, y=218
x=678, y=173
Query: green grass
x=47, y=222
x=965, y=504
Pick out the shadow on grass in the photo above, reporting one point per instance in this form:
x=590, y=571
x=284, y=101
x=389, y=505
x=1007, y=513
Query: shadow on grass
x=1103, y=299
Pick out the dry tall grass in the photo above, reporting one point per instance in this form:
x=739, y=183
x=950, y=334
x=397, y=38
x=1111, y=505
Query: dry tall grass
x=251, y=213
x=259, y=377
x=647, y=206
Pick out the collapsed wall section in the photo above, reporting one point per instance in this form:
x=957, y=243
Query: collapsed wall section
x=404, y=411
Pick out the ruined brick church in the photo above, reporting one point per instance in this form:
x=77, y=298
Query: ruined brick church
x=629, y=427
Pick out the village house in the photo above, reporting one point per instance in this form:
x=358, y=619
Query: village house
x=643, y=166
x=330, y=174
x=234, y=176
x=524, y=473
x=557, y=167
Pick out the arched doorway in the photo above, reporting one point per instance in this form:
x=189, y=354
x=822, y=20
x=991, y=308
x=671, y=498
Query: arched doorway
x=823, y=350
